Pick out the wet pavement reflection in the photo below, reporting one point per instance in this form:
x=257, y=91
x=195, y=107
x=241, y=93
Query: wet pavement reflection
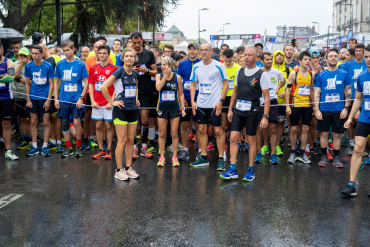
x=77, y=202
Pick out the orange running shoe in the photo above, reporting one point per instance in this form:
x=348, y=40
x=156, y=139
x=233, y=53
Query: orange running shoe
x=134, y=155
x=194, y=138
x=330, y=145
x=108, y=155
x=330, y=158
x=99, y=155
x=145, y=153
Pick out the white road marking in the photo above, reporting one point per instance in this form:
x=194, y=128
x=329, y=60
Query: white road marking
x=9, y=199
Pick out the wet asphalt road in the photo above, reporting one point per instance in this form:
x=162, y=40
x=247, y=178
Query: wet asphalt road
x=77, y=202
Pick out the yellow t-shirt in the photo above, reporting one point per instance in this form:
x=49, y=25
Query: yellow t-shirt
x=92, y=53
x=231, y=74
x=302, y=91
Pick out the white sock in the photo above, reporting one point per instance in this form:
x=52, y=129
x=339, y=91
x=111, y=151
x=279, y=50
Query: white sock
x=91, y=137
x=45, y=145
x=151, y=134
x=143, y=145
x=352, y=142
x=308, y=147
x=34, y=144
x=199, y=150
x=59, y=141
x=53, y=141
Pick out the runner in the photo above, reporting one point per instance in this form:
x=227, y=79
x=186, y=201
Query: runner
x=246, y=96
x=210, y=75
x=71, y=72
x=331, y=86
x=84, y=53
x=170, y=107
x=16, y=46
x=352, y=42
x=342, y=56
x=39, y=76
x=102, y=110
x=6, y=102
x=363, y=125
x=104, y=41
x=289, y=61
x=184, y=70
x=298, y=93
x=125, y=111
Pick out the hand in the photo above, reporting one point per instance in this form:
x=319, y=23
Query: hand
x=318, y=115
x=282, y=95
x=137, y=103
x=167, y=73
x=317, y=68
x=186, y=103
x=143, y=69
x=56, y=104
x=29, y=104
x=108, y=106
x=218, y=108
x=119, y=104
x=343, y=113
x=94, y=105
x=357, y=115
x=194, y=107
x=183, y=113
x=288, y=110
x=137, y=69
x=79, y=103
x=23, y=62
x=230, y=115
x=347, y=124
x=264, y=123
x=47, y=105
x=296, y=43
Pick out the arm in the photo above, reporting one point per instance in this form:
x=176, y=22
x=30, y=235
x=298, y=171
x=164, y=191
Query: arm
x=348, y=95
x=28, y=89
x=312, y=97
x=231, y=106
x=287, y=91
x=104, y=89
x=264, y=122
x=281, y=84
x=356, y=106
x=50, y=95
x=159, y=83
x=317, y=94
x=181, y=95
x=153, y=70
x=84, y=92
x=91, y=93
x=219, y=104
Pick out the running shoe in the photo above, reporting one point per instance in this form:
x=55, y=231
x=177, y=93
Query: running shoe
x=10, y=156
x=240, y=147
x=67, y=152
x=274, y=159
x=324, y=161
x=32, y=151
x=131, y=173
x=52, y=146
x=349, y=190
x=316, y=149
x=78, y=152
x=23, y=145
x=45, y=151
x=258, y=158
x=298, y=157
x=278, y=150
x=170, y=148
x=229, y=174
x=60, y=148
x=249, y=176
x=184, y=155
x=292, y=158
x=190, y=136
x=367, y=161
x=265, y=150
x=85, y=146
x=194, y=138
x=108, y=154
x=210, y=147
x=345, y=142
x=246, y=147
x=330, y=158
x=199, y=154
x=305, y=159
x=337, y=162
x=242, y=138
x=330, y=145
x=144, y=152
x=221, y=165
x=134, y=155
x=350, y=151
x=161, y=161
x=200, y=162
x=93, y=143
x=175, y=161
x=100, y=154
x=152, y=149
x=121, y=175
x=180, y=147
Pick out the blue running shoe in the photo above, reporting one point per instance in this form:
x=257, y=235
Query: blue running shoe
x=345, y=143
x=105, y=145
x=45, y=152
x=85, y=146
x=246, y=147
x=32, y=151
x=258, y=158
x=200, y=162
x=274, y=159
x=229, y=174
x=367, y=161
x=52, y=146
x=249, y=176
x=221, y=165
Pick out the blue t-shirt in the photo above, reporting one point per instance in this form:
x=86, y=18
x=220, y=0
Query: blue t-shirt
x=332, y=84
x=354, y=69
x=71, y=75
x=118, y=60
x=363, y=86
x=125, y=88
x=39, y=75
x=184, y=70
x=259, y=64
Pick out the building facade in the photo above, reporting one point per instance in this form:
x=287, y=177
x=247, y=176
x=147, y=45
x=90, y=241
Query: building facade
x=352, y=15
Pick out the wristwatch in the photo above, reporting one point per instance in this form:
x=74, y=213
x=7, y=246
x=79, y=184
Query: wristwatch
x=266, y=116
x=346, y=108
x=222, y=100
x=81, y=97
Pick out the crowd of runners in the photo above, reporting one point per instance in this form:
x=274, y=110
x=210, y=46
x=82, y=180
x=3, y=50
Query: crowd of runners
x=156, y=100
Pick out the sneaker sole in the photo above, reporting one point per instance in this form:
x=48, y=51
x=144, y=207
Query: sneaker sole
x=229, y=178
x=352, y=194
x=98, y=158
x=32, y=154
x=45, y=154
x=65, y=156
x=120, y=178
x=221, y=169
x=11, y=158
x=108, y=158
x=187, y=158
x=22, y=148
x=146, y=157
x=244, y=179
x=78, y=155
x=204, y=164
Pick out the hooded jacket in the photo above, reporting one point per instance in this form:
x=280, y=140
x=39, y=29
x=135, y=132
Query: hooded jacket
x=284, y=69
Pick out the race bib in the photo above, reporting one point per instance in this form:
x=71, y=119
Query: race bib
x=168, y=96
x=70, y=88
x=272, y=92
x=2, y=84
x=304, y=90
x=187, y=85
x=243, y=105
x=39, y=81
x=332, y=97
x=142, y=66
x=231, y=84
x=205, y=88
x=130, y=91
x=98, y=85
x=367, y=104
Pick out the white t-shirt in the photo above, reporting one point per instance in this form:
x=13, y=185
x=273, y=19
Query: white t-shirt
x=247, y=72
x=271, y=78
x=210, y=82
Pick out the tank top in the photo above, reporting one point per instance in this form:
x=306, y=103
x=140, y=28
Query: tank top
x=125, y=88
x=302, y=90
x=5, y=88
x=168, y=96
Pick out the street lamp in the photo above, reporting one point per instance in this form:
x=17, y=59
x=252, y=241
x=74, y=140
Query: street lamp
x=199, y=23
x=223, y=28
x=318, y=30
x=219, y=31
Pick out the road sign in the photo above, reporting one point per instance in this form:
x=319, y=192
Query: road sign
x=235, y=36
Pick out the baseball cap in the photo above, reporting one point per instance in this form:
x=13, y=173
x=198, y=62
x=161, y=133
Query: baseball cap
x=193, y=44
x=314, y=52
x=24, y=51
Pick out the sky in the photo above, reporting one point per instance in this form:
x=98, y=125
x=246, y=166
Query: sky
x=248, y=16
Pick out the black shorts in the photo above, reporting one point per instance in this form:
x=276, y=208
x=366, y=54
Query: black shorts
x=126, y=115
x=153, y=103
x=6, y=109
x=249, y=122
x=208, y=116
x=362, y=129
x=88, y=102
x=330, y=119
x=20, y=108
x=38, y=106
x=298, y=112
x=273, y=114
x=226, y=104
x=145, y=100
x=169, y=114
x=282, y=113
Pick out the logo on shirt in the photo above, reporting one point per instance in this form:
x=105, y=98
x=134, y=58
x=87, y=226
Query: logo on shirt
x=107, y=72
x=253, y=82
x=331, y=83
x=366, y=89
x=273, y=80
x=102, y=78
x=356, y=73
x=67, y=74
x=96, y=72
x=38, y=79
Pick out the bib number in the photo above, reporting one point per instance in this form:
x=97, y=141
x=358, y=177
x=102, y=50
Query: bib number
x=130, y=91
x=187, y=85
x=205, y=88
x=332, y=98
x=70, y=88
x=231, y=84
x=304, y=90
x=98, y=86
x=243, y=105
x=272, y=92
x=168, y=96
x=367, y=105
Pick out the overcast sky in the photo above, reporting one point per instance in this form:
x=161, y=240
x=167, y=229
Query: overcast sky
x=248, y=16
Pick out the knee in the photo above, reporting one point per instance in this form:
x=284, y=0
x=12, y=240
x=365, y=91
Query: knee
x=273, y=130
x=234, y=138
x=122, y=142
x=99, y=127
x=174, y=134
x=162, y=134
x=218, y=131
x=144, y=119
x=130, y=140
x=34, y=122
x=108, y=126
x=305, y=128
x=293, y=129
x=358, y=150
x=202, y=130
x=46, y=124
x=6, y=124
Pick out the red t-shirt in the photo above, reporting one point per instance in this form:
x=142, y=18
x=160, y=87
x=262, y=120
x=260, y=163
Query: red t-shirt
x=98, y=75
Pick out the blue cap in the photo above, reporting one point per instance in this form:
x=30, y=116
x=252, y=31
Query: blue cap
x=314, y=52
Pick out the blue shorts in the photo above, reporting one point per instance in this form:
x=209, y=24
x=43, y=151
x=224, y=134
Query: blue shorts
x=38, y=106
x=66, y=110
